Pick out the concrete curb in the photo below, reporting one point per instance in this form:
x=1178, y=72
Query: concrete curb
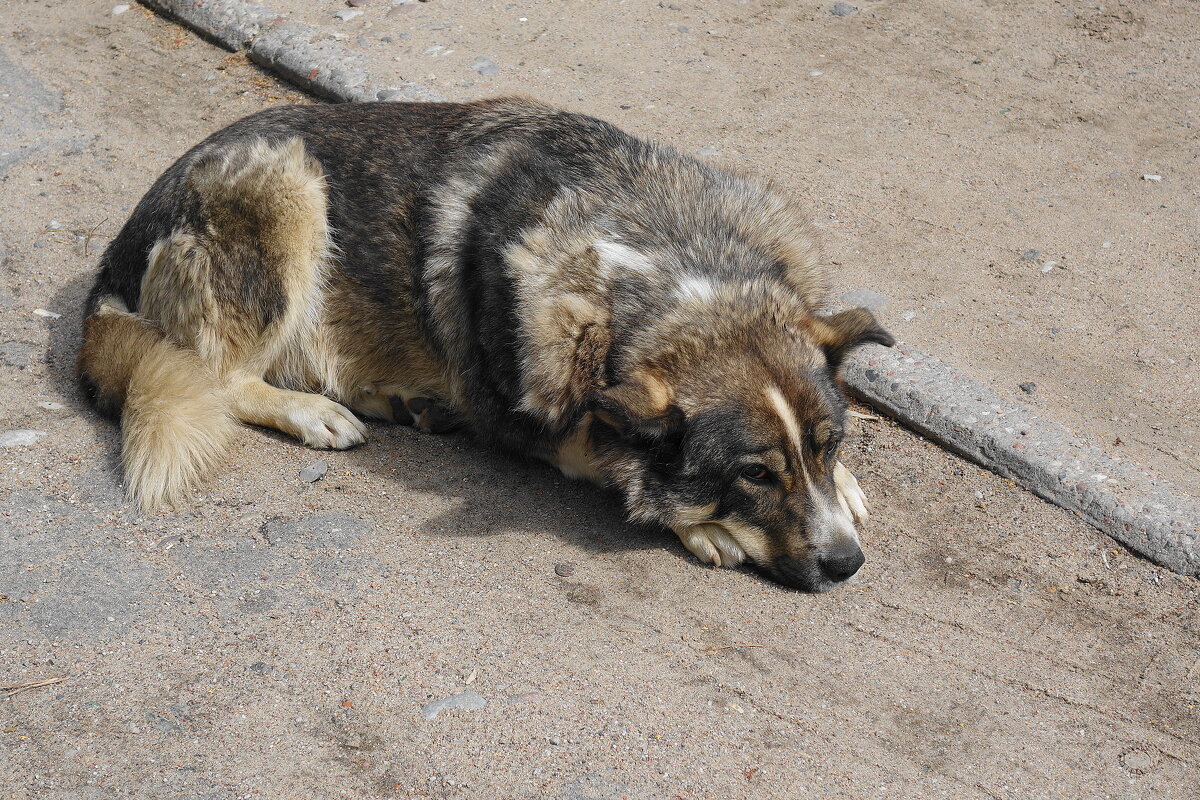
x=300, y=54
x=1007, y=438
x=937, y=400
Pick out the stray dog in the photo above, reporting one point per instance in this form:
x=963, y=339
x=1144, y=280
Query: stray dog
x=614, y=307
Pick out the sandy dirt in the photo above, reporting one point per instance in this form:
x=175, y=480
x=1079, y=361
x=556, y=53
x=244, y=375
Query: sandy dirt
x=935, y=142
x=282, y=639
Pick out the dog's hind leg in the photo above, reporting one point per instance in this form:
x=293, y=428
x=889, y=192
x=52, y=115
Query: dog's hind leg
x=245, y=289
x=313, y=419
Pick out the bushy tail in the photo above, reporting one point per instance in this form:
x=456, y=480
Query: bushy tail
x=175, y=419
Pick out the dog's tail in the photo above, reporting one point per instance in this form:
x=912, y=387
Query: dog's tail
x=175, y=419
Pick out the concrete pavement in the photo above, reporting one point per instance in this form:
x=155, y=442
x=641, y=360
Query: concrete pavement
x=279, y=638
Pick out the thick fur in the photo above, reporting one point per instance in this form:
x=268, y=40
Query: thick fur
x=174, y=415
x=634, y=316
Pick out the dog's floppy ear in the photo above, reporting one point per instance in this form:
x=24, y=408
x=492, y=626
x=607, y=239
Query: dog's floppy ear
x=641, y=410
x=840, y=333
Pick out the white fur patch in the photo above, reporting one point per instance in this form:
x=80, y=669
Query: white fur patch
x=695, y=287
x=616, y=257
x=788, y=417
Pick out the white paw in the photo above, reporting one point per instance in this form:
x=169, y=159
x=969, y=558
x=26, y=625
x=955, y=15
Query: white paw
x=712, y=544
x=324, y=424
x=849, y=493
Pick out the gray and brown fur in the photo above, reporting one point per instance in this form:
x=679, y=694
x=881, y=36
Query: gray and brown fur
x=616, y=308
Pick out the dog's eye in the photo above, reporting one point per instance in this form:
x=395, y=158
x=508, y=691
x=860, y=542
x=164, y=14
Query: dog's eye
x=756, y=473
x=827, y=445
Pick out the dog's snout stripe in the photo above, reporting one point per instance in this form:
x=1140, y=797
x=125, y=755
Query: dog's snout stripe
x=830, y=520
x=787, y=416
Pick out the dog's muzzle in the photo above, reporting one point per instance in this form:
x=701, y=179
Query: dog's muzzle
x=823, y=571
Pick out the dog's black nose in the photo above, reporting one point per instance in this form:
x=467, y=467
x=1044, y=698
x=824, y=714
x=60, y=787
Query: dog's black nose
x=842, y=563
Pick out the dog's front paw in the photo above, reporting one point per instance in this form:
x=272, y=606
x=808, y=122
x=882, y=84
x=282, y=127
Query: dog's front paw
x=849, y=493
x=712, y=544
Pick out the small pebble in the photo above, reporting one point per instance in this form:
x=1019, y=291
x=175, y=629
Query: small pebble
x=1029, y=387
x=50, y=405
x=841, y=9
x=467, y=701
x=41, y=312
x=524, y=697
x=816, y=73
x=484, y=66
x=21, y=438
x=1154, y=178
x=1138, y=761
x=1048, y=266
x=1031, y=255
x=121, y=9
x=347, y=14
x=908, y=316
x=978, y=495
x=564, y=570
x=314, y=471
x=872, y=301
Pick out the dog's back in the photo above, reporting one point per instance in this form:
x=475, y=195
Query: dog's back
x=469, y=244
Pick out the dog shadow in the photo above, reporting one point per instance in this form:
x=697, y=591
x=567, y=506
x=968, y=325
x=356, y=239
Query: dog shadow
x=488, y=492
x=62, y=348
x=64, y=340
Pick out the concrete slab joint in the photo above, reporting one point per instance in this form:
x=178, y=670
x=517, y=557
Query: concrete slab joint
x=924, y=393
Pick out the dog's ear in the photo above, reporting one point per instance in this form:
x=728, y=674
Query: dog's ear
x=640, y=409
x=840, y=333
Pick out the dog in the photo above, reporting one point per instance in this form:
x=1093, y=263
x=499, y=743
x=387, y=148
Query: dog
x=627, y=313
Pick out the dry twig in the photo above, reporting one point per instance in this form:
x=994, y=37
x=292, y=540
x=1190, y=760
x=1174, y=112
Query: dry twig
x=17, y=688
x=710, y=649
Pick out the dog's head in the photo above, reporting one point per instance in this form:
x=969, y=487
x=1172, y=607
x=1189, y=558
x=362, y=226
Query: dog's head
x=730, y=440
